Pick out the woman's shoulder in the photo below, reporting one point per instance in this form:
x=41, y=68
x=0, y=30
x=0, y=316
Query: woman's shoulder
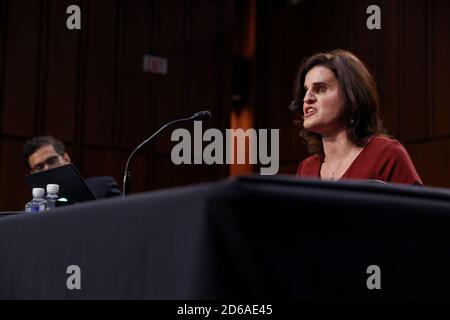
x=392, y=160
x=309, y=166
x=384, y=143
x=315, y=158
x=389, y=149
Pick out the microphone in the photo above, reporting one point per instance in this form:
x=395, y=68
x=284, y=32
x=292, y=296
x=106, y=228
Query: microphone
x=202, y=115
x=199, y=116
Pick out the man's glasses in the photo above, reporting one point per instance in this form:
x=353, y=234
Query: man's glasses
x=50, y=162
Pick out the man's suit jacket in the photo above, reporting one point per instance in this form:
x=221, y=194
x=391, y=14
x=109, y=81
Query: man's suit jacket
x=103, y=187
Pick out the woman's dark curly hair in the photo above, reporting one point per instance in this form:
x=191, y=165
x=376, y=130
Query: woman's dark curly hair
x=358, y=88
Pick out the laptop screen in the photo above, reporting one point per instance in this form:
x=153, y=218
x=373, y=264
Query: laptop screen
x=71, y=184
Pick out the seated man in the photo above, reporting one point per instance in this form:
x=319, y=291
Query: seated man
x=43, y=153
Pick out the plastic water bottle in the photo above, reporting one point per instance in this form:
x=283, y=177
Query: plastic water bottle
x=52, y=196
x=37, y=204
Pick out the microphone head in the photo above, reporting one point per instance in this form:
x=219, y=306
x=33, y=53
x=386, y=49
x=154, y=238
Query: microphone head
x=202, y=115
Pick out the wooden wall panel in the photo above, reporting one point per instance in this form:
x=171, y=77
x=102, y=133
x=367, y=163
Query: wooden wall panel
x=224, y=41
x=136, y=90
x=415, y=59
x=441, y=66
x=431, y=159
x=203, y=56
x=14, y=191
x=168, y=175
x=3, y=24
x=367, y=41
x=322, y=13
x=284, y=66
x=101, y=18
x=388, y=76
x=21, y=71
x=172, y=90
x=341, y=11
x=62, y=72
x=104, y=162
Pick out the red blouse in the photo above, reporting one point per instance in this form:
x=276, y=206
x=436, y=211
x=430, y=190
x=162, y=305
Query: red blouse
x=381, y=159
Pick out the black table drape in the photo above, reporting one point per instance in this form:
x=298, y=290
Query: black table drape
x=252, y=237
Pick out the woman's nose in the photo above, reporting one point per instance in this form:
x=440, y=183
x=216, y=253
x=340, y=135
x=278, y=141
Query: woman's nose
x=308, y=97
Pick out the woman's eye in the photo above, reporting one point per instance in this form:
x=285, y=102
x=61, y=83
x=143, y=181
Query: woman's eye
x=322, y=89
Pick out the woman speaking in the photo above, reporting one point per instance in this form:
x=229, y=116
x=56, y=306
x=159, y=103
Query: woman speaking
x=340, y=123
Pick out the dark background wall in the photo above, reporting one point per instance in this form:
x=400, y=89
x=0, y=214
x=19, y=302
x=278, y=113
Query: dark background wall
x=87, y=87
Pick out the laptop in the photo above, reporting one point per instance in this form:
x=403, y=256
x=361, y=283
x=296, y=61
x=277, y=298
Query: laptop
x=72, y=186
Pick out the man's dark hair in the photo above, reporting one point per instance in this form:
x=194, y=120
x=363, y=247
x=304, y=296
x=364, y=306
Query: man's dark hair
x=31, y=146
x=361, y=101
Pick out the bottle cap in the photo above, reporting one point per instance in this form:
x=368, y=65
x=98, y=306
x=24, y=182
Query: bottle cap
x=38, y=192
x=52, y=188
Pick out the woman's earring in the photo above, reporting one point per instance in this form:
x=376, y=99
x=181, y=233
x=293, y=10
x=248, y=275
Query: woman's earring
x=352, y=121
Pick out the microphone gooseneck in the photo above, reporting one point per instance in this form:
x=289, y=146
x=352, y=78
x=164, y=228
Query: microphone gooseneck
x=199, y=116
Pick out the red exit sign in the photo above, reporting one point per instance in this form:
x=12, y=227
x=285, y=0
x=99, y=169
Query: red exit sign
x=155, y=64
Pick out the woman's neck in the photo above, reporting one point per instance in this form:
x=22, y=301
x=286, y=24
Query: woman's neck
x=336, y=146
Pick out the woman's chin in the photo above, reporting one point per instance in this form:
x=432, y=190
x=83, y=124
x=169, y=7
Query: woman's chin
x=313, y=128
x=309, y=125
